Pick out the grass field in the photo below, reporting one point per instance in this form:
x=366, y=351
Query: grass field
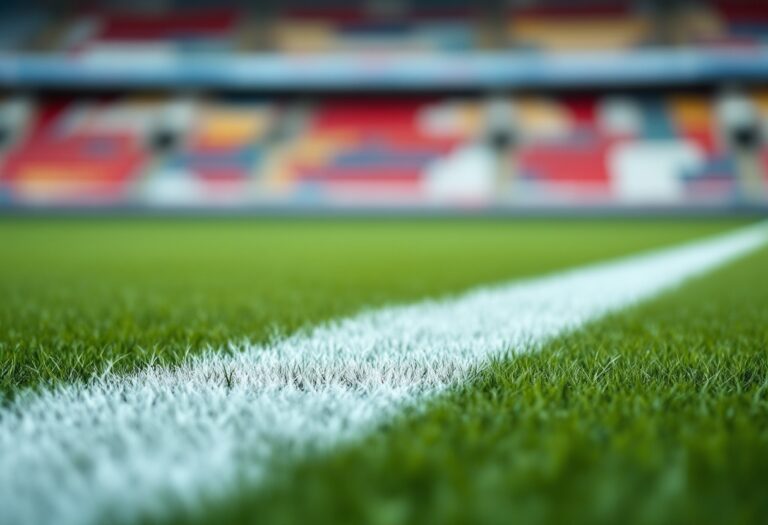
x=76, y=296
x=655, y=414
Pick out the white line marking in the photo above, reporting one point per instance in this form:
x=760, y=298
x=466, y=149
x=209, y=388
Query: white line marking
x=119, y=448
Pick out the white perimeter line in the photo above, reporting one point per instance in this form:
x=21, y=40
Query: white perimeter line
x=122, y=447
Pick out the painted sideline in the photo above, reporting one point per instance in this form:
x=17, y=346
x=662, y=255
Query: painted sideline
x=120, y=448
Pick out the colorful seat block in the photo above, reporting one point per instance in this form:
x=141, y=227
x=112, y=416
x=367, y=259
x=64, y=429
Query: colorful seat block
x=72, y=155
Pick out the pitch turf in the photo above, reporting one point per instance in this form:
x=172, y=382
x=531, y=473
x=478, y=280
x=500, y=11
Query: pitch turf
x=654, y=415
x=77, y=297
x=658, y=414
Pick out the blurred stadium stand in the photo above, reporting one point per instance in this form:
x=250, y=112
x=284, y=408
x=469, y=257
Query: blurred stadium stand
x=384, y=104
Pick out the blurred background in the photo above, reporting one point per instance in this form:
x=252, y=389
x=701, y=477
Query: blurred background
x=444, y=105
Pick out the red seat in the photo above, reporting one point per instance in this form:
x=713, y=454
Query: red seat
x=566, y=163
x=345, y=174
x=199, y=23
x=80, y=165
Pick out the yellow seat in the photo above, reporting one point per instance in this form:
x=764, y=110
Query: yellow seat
x=691, y=112
x=304, y=37
x=582, y=34
x=233, y=127
x=760, y=99
x=542, y=117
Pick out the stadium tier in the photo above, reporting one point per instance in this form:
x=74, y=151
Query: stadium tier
x=319, y=27
x=408, y=103
x=381, y=45
x=574, y=150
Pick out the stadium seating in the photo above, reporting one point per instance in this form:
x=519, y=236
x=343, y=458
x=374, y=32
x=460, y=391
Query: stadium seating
x=82, y=152
x=209, y=147
x=319, y=30
x=106, y=32
x=218, y=159
x=579, y=26
x=746, y=22
x=632, y=148
x=297, y=26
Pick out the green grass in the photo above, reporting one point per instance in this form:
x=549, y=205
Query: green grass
x=658, y=414
x=78, y=296
x=654, y=415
